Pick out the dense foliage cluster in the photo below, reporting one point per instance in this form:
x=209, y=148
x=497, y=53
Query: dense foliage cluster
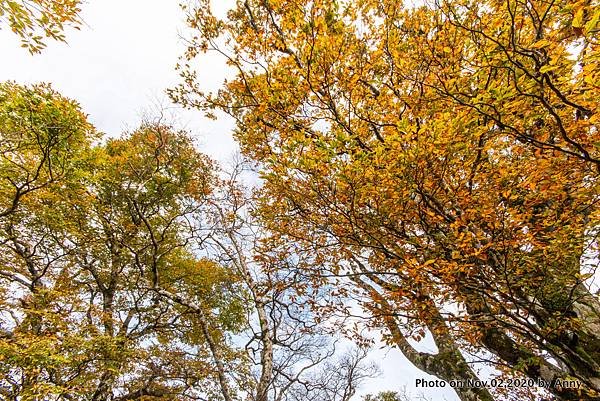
x=88, y=233
x=439, y=161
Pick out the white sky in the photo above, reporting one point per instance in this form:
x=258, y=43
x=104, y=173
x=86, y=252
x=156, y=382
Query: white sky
x=117, y=67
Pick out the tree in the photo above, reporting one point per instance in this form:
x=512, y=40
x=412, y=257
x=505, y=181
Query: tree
x=128, y=270
x=93, y=252
x=291, y=350
x=392, y=396
x=441, y=159
x=43, y=138
x=35, y=20
x=383, y=396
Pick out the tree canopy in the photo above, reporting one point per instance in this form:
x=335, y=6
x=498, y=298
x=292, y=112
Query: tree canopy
x=87, y=236
x=128, y=272
x=437, y=161
x=428, y=171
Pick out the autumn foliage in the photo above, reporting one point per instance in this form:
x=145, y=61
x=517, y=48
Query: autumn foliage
x=35, y=21
x=88, y=234
x=439, y=161
x=128, y=271
x=426, y=170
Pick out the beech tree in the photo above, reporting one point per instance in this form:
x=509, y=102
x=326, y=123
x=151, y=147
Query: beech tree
x=129, y=270
x=438, y=161
x=93, y=239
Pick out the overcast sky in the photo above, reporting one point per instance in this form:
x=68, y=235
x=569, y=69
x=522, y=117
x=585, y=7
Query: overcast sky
x=117, y=67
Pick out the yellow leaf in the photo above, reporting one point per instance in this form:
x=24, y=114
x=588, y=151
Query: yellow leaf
x=541, y=43
x=578, y=18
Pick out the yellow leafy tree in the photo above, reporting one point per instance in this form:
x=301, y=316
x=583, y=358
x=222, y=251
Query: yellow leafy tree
x=439, y=161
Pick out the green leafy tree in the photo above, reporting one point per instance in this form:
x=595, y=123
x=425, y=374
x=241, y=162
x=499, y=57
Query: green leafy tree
x=386, y=396
x=93, y=239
